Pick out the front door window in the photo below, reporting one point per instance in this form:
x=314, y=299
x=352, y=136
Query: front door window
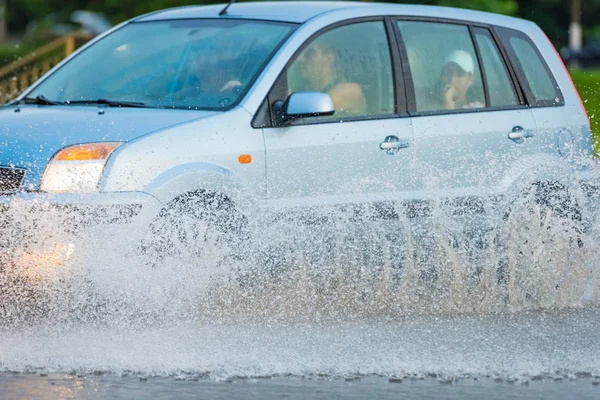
x=350, y=63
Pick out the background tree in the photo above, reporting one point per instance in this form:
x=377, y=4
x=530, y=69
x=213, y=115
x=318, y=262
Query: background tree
x=553, y=16
x=119, y=10
x=2, y=20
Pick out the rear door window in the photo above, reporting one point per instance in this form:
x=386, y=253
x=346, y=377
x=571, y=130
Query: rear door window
x=499, y=84
x=535, y=76
x=443, y=65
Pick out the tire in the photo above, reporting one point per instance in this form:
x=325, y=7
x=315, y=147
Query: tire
x=196, y=226
x=548, y=199
x=542, y=218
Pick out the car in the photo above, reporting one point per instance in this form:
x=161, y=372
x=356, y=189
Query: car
x=220, y=113
x=586, y=57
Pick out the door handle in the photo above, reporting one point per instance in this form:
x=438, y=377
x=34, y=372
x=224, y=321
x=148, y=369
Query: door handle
x=518, y=134
x=391, y=144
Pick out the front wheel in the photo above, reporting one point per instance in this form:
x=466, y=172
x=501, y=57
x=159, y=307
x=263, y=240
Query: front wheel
x=196, y=227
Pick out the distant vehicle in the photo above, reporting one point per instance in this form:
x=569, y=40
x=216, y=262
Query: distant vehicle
x=587, y=57
x=204, y=113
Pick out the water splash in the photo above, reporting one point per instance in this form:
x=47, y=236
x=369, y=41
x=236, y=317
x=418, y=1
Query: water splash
x=361, y=262
x=313, y=283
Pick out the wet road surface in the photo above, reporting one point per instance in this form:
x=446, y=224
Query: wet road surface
x=553, y=354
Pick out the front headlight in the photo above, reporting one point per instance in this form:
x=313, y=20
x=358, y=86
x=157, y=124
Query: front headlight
x=77, y=168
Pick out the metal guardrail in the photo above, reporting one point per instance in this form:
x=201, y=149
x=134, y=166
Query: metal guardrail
x=20, y=74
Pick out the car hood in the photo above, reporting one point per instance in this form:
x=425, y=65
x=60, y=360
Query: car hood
x=30, y=135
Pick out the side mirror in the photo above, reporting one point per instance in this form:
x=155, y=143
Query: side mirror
x=304, y=105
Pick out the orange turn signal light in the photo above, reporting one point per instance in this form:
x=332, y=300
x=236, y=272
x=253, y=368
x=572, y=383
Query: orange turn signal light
x=87, y=151
x=245, y=159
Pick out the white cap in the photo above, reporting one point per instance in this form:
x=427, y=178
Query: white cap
x=462, y=59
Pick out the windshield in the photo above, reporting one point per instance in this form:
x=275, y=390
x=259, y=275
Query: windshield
x=197, y=64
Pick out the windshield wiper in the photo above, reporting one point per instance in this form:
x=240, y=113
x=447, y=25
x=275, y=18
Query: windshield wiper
x=41, y=100
x=109, y=103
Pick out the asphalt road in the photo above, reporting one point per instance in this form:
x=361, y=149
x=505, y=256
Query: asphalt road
x=118, y=387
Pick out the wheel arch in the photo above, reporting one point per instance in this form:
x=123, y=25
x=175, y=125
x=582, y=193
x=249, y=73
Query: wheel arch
x=202, y=179
x=539, y=168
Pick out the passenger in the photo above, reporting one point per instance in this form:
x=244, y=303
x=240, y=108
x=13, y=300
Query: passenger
x=455, y=80
x=317, y=66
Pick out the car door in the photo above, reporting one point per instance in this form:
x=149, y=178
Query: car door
x=561, y=128
x=471, y=125
x=363, y=152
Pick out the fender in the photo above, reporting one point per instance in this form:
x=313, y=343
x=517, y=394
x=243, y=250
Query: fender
x=540, y=167
x=200, y=155
x=191, y=177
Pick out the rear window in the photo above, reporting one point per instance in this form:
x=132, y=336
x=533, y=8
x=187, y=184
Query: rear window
x=444, y=67
x=535, y=76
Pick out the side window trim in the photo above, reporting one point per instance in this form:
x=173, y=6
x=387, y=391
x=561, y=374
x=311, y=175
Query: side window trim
x=511, y=68
x=484, y=77
x=530, y=97
x=398, y=75
x=276, y=90
x=518, y=91
x=409, y=88
x=408, y=81
x=262, y=118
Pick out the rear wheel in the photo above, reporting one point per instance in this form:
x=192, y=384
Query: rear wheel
x=539, y=233
x=545, y=205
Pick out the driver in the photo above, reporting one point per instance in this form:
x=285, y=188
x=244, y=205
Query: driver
x=208, y=76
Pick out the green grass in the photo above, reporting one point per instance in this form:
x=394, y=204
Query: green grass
x=587, y=83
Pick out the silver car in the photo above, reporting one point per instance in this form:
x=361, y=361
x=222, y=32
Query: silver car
x=213, y=113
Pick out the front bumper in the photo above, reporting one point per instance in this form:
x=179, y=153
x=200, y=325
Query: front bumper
x=79, y=210
x=40, y=232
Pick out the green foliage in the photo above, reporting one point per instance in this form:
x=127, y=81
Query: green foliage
x=11, y=52
x=21, y=11
x=552, y=15
x=508, y=7
x=120, y=10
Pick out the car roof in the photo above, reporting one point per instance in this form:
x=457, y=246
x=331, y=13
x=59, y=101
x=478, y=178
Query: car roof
x=302, y=11
x=285, y=11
